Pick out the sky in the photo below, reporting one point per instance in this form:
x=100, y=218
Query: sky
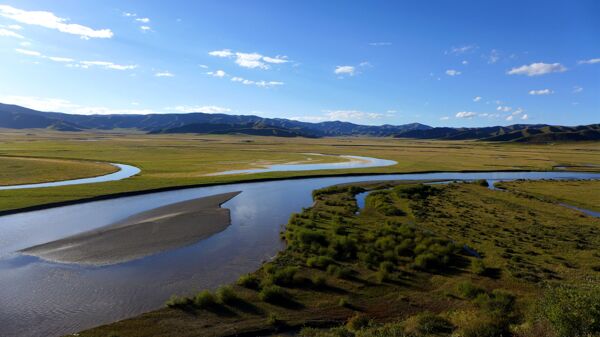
x=441, y=63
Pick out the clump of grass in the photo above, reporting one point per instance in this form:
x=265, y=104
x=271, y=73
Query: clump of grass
x=205, y=299
x=478, y=267
x=319, y=281
x=319, y=261
x=178, y=302
x=357, y=322
x=468, y=290
x=227, y=295
x=273, y=294
x=284, y=277
x=273, y=320
x=248, y=281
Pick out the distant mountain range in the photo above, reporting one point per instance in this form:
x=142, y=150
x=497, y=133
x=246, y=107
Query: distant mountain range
x=17, y=117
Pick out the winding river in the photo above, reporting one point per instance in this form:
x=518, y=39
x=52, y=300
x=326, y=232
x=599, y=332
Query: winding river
x=125, y=171
x=40, y=298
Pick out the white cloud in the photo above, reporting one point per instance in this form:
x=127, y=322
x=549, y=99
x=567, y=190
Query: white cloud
x=38, y=103
x=380, y=44
x=197, y=108
x=10, y=33
x=477, y=99
x=536, y=69
x=250, y=60
x=218, y=73
x=525, y=117
x=129, y=14
x=461, y=50
x=77, y=64
x=466, y=114
x=541, y=92
x=221, y=53
x=164, y=74
x=28, y=52
x=51, y=21
x=341, y=115
x=452, y=72
x=465, y=62
x=493, y=57
x=518, y=111
x=145, y=28
x=105, y=64
x=260, y=84
x=276, y=60
x=577, y=89
x=203, y=66
x=590, y=61
x=60, y=59
x=142, y=20
x=504, y=108
x=344, y=70
x=445, y=118
x=509, y=118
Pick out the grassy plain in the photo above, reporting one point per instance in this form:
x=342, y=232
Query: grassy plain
x=178, y=160
x=584, y=194
x=398, y=269
x=22, y=170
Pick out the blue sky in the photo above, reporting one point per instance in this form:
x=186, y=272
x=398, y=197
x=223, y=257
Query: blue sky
x=442, y=63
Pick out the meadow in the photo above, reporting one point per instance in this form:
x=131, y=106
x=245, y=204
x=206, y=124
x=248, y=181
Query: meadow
x=184, y=160
x=418, y=260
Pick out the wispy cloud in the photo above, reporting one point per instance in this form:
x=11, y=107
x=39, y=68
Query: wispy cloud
x=70, y=62
x=341, y=115
x=51, y=21
x=380, y=44
x=465, y=114
x=537, y=69
x=452, y=72
x=541, y=92
x=63, y=105
x=260, y=84
x=493, y=57
x=344, y=70
x=164, y=74
x=217, y=73
x=590, y=61
x=477, y=99
x=209, y=109
x=250, y=60
x=504, y=108
x=577, y=89
x=10, y=33
x=461, y=49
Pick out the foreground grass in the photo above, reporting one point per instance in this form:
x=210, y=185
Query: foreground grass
x=22, y=170
x=584, y=194
x=399, y=269
x=179, y=160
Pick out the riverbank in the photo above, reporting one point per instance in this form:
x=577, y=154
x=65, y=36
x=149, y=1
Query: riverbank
x=185, y=160
x=146, y=233
x=393, y=264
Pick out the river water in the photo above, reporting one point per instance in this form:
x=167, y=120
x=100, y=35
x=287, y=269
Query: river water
x=40, y=298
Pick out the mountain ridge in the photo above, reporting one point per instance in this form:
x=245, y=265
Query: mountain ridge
x=18, y=117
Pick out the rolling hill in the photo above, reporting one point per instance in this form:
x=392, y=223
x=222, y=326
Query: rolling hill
x=17, y=117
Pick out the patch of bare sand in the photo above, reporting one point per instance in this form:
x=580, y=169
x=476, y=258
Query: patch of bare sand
x=143, y=234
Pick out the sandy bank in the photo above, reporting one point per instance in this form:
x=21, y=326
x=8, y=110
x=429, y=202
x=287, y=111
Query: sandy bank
x=143, y=234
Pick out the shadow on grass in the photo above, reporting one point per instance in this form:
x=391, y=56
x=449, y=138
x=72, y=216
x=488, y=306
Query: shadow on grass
x=246, y=307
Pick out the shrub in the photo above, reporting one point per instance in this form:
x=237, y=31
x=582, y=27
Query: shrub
x=227, y=295
x=205, y=299
x=482, y=182
x=478, y=267
x=319, y=261
x=427, y=261
x=248, y=281
x=357, y=322
x=319, y=281
x=343, y=248
x=273, y=320
x=284, y=276
x=343, y=302
x=572, y=312
x=386, y=266
x=468, y=290
x=178, y=302
x=308, y=237
x=273, y=294
x=499, y=303
x=428, y=323
x=382, y=276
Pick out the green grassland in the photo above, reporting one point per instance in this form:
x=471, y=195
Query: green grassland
x=179, y=160
x=22, y=170
x=419, y=260
x=584, y=194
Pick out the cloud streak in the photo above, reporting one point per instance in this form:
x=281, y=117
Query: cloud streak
x=537, y=69
x=51, y=21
